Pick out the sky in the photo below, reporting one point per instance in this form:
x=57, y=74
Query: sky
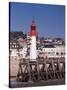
x=49, y=19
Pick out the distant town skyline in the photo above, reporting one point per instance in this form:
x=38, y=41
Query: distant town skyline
x=49, y=19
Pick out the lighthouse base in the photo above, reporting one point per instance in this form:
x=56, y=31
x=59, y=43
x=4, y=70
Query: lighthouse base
x=33, y=51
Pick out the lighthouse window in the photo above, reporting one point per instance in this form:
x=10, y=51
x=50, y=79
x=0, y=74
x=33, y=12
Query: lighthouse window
x=15, y=46
x=57, y=53
x=48, y=52
x=61, y=53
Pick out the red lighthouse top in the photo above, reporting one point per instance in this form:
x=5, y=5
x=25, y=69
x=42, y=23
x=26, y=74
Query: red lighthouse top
x=33, y=29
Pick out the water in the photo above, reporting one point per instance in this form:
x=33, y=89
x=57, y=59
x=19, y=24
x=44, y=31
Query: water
x=15, y=84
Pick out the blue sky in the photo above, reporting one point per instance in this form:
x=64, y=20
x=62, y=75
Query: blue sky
x=49, y=19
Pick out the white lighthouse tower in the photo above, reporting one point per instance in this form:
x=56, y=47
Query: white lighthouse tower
x=33, y=34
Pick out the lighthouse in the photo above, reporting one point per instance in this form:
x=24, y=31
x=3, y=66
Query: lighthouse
x=33, y=34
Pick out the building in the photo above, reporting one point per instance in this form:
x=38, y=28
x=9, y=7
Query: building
x=52, y=51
